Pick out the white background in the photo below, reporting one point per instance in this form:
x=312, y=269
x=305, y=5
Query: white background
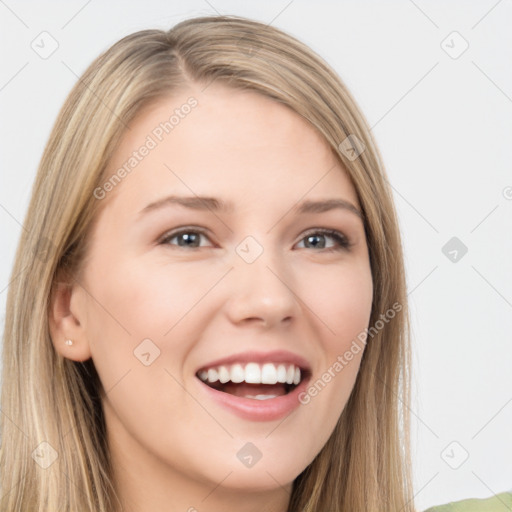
x=444, y=126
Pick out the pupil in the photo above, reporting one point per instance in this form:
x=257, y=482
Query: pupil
x=316, y=237
x=189, y=238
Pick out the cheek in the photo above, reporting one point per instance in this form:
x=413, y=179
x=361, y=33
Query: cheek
x=171, y=291
x=343, y=305
x=133, y=303
x=136, y=320
x=148, y=300
x=343, y=302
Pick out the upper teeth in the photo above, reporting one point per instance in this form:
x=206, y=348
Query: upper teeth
x=253, y=373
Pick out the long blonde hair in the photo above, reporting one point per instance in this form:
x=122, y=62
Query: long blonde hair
x=45, y=398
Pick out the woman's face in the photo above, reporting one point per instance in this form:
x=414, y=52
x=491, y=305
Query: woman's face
x=175, y=289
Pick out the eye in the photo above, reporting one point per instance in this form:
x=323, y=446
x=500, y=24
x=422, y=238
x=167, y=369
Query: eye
x=186, y=237
x=315, y=238
x=191, y=238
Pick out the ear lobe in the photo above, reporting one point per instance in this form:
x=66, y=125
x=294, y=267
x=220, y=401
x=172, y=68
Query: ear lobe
x=64, y=323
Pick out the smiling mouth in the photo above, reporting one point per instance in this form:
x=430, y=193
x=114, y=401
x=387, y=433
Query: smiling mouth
x=255, y=391
x=259, y=382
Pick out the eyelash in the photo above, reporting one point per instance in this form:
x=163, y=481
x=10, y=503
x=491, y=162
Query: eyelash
x=343, y=243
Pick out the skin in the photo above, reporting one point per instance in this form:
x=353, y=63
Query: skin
x=173, y=449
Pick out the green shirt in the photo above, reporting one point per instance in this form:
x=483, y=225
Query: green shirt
x=498, y=503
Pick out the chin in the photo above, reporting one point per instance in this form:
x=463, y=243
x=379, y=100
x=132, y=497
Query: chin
x=258, y=480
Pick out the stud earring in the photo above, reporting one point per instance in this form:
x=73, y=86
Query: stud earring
x=69, y=342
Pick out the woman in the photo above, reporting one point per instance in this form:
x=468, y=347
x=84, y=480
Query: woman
x=211, y=309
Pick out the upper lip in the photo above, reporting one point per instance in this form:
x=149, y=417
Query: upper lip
x=276, y=356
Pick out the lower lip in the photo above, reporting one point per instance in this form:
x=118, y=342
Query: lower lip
x=258, y=410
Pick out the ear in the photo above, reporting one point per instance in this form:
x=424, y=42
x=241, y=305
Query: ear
x=67, y=308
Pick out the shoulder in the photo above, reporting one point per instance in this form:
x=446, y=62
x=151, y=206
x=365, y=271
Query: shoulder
x=498, y=503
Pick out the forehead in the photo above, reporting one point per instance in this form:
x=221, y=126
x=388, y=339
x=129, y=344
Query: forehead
x=227, y=143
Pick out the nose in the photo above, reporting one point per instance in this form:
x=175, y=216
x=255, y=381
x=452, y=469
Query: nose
x=262, y=292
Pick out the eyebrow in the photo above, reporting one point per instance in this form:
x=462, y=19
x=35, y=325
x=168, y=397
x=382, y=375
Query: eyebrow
x=216, y=205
